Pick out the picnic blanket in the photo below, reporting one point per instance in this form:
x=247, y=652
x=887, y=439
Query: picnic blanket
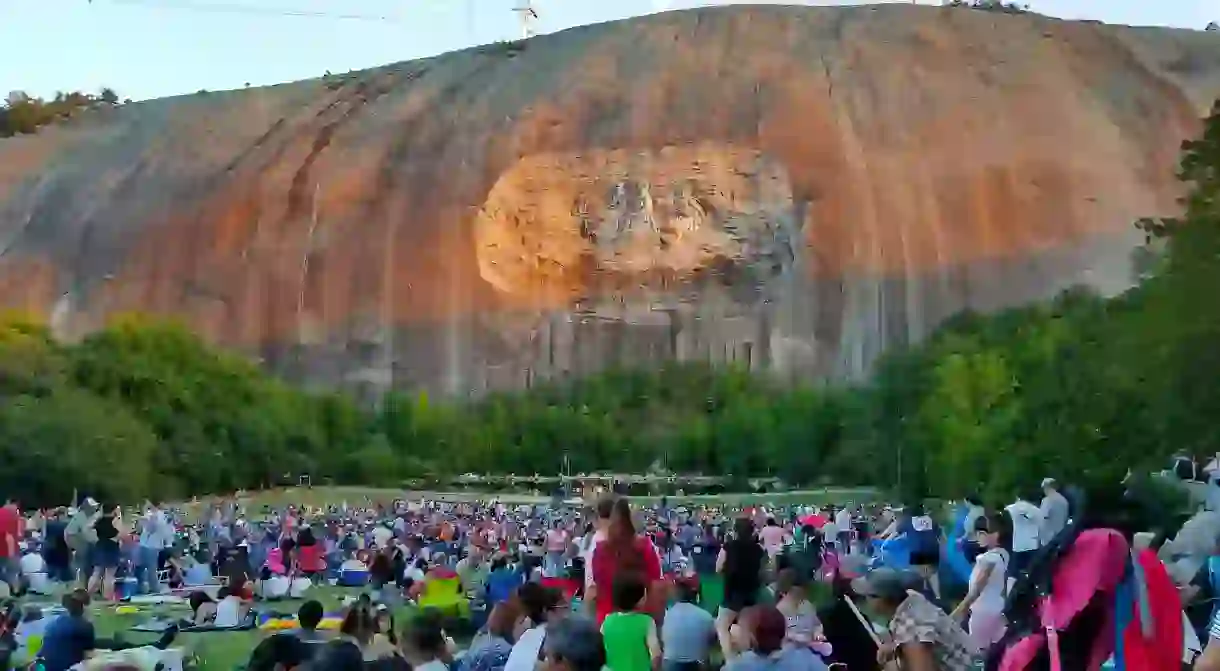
x=158, y=625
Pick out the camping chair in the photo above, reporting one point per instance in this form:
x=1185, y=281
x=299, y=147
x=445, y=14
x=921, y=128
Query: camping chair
x=445, y=595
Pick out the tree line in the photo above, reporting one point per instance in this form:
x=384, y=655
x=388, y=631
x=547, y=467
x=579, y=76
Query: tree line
x=22, y=114
x=1082, y=387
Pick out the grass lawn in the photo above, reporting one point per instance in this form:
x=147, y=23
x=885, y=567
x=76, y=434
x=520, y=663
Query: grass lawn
x=215, y=651
x=226, y=651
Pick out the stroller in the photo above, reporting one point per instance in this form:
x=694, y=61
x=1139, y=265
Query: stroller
x=1089, y=597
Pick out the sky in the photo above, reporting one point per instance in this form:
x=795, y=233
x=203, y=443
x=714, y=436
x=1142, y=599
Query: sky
x=153, y=48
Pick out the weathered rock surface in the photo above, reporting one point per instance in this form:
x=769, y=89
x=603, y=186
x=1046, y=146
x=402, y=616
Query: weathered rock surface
x=792, y=188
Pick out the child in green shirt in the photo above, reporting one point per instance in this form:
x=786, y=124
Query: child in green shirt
x=630, y=637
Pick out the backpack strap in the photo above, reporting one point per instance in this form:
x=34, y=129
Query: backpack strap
x=542, y=646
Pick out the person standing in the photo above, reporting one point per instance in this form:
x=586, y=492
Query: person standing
x=924, y=536
x=843, y=521
x=974, y=512
x=10, y=535
x=601, y=529
x=741, y=563
x=988, y=587
x=105, y=552
x=772, y=537
x=80, y=537
x=631, y=637
x=1026, y=529
x=55, y=551
x=556, y=547
x=623, y=553
x=1054, y=511
x=155, y=536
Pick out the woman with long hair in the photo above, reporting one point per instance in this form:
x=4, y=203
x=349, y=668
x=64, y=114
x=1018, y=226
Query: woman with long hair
x=624, y=552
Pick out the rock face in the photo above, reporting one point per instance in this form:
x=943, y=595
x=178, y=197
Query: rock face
x=793, y=189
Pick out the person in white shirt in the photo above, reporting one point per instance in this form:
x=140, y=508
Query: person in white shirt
x=988, y=587
x=382, y=535
x=541, y=608
x=230, y=610
x=605, y=506
x=843, y=522
x=1026, y=527
x=974, y=511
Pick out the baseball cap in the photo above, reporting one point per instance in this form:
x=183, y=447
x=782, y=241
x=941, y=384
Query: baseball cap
x=1047, y=482
x=885, y=583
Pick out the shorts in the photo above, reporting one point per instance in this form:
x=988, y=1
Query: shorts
x=104, y=556
x=925, y=557
x=738, y=602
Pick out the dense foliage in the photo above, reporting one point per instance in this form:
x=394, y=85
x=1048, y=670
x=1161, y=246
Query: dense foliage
x=21, y=114
x=1082, y=388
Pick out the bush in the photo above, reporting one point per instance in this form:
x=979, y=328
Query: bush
x=23, y=115
x=991, y=6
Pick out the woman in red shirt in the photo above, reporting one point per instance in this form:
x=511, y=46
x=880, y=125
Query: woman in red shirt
x=623, y=552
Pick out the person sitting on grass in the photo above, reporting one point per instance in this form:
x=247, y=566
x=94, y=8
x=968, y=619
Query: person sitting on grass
x=70, y=639
x=231, y=610
x=309, y=616
x=687, y=631
x=427, y=646
x=346, y=651
x=280, y=652
x=631, y=639
x=196, y=569
x=384, y=643
x=922, y=636
x=236, y=572
x=29, y=634
x=502, y=581
x=203, y=607
x=490, y=648
x=573, y=644
x=761, y=633
x=804, y=628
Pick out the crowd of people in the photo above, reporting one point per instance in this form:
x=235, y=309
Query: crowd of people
x=566, y=586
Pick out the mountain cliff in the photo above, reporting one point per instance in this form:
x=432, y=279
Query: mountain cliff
x=793, y=189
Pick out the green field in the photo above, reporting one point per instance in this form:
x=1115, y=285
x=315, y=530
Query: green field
x=214, y=651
